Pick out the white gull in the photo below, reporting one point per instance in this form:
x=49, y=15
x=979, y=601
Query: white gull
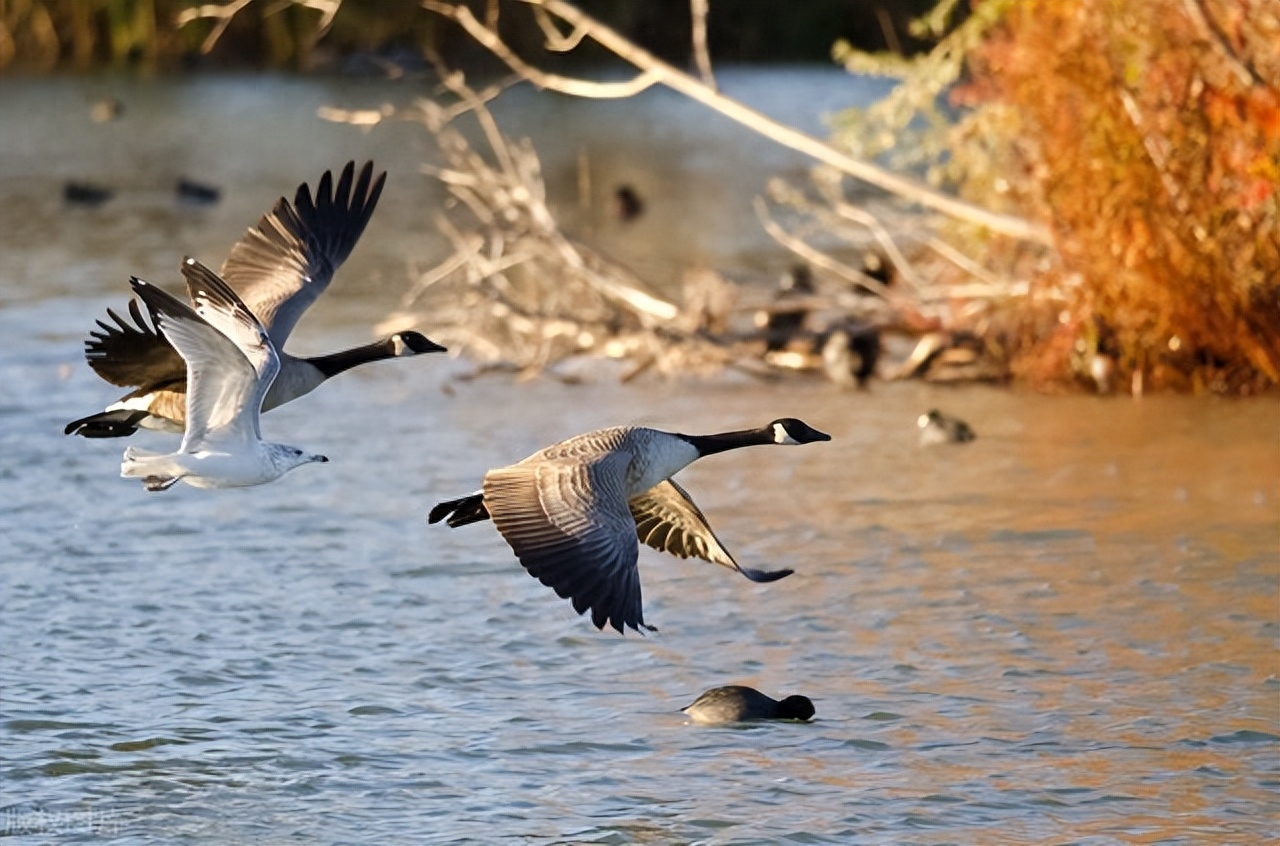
x=278, y=269
x=231, y=363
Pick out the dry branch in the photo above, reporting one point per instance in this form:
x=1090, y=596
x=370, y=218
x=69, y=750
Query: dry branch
x=654, y=71
x=223, y=13
x=516, y=292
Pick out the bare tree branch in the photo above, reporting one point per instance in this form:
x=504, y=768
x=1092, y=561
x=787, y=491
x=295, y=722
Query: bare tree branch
x=815, y=256
x=655, y=71
x=701, y=57
x=223, y=13
x=1209, y=27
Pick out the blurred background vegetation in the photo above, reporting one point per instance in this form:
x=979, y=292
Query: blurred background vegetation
x=1144, y=133
x=84, y=35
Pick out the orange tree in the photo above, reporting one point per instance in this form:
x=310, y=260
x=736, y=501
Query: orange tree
x=1150, y=131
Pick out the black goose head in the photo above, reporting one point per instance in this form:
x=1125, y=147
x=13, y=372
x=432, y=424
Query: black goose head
x=796, y=708
x=412, y=343
x=789, y=430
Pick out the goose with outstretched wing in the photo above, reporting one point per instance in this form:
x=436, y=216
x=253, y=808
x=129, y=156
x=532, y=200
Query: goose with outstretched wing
x=278, y=269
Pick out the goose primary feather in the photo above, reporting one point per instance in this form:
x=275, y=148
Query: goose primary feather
x=575, y=512
x=278, y=269
x=230, y=364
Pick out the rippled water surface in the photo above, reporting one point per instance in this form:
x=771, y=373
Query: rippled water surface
x=1065, y=631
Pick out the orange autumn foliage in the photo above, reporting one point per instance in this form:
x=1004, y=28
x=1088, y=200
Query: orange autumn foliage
x=1153, y=137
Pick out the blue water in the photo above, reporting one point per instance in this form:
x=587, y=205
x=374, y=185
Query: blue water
x=1066, y=631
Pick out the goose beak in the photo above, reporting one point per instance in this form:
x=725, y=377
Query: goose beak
x=415, y=343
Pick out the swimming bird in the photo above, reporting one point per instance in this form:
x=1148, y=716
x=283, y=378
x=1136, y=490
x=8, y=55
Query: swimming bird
x=938, y=428
x=573, y=512
x=231, y=363
x=196, y=193
x=86, y=194
x=735, y=703
x=784, y=321
x=278, y=269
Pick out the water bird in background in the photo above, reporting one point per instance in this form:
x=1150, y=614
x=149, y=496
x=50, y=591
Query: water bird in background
x=230, y=364
x=86, y=194
x=785, y=320
x=196, y=193
x=938, y=428
x=106, y=109
x=627, y=204
x=573, y=512
x=737, y=703
x=279, y=268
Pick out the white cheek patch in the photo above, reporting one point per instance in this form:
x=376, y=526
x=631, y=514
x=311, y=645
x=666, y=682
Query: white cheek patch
x=782, y=436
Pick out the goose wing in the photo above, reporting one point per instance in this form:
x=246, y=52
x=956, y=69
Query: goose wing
x=132, y=353
x=282, y=265
x=568, y=522
x=667, y=519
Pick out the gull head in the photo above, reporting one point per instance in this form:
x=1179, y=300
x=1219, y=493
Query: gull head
x=286, y=457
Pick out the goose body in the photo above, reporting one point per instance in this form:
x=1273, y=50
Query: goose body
x=231, y=363
x=575, y=511
x=737, y=703
x=278, y=269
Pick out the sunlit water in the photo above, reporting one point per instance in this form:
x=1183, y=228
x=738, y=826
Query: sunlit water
x=1065, y=631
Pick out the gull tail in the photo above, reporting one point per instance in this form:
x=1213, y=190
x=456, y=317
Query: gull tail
x=154, y=468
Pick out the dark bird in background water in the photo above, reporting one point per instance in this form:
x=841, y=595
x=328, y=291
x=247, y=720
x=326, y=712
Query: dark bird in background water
x=197, y=193
x=86, y=194
x=850, y=351
x=627, y=205
x=106, y=109
x=781, y=324
x=737, y=703
x=938, y=428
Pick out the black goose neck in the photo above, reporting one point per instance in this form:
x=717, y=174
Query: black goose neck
x=334, y=363
x=711, y=444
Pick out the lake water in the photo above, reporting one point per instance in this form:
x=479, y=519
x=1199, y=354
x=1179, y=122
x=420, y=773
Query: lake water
x=1064, y=632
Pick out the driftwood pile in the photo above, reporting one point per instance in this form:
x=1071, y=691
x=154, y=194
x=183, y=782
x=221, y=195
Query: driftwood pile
x=518, y=294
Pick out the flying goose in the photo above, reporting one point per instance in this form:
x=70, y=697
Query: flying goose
x=230, y=364
x=573, y=512
x=278, y=269
x=735, y=703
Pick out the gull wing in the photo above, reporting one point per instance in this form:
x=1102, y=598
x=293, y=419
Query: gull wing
x=281, y=267
x=568, y=522
x=221, y=382
x=132, y=354
x=667, y=519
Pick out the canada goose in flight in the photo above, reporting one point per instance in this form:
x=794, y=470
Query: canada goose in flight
x=231, y=363
x=278, y=269
x=572, y=512
x=735, y=703
x=938, y=428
